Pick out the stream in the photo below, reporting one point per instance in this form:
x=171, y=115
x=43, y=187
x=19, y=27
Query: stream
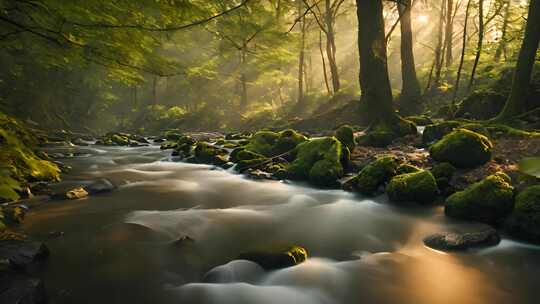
x=171, y=231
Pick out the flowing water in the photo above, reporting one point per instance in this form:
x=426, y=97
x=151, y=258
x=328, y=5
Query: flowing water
x=129, y=246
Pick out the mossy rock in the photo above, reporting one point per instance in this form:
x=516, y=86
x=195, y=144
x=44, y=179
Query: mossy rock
x=384, y=133
x=120, y=140
x=417, y=186
x=173, y=135
x=269, y=143
x=208, y=154
x=407, y=168
x=488, y=200
x=318, y=161
x=463, y=149
x=524, y=221
x=376, y=174
x=345, y=134
x=481, y=105
x=435, y=132
x=443, y=173
x=277, y=260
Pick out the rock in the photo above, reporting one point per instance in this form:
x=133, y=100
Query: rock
x=76, y=193
x=345, y=134
x=19, y=289
x=277, y=260
x=21, y=254
x=435, y=132
x=489, y=200
x=443, y=173
x=258, y=174
x=206, y=153
x=524, y=221
x=99, y=186
x=463, y=149
x=420, y=120
x=238, y=136
x=159, y=140
x=79, y=142
x=461, y=241
x=481, y=105
x=269, y=143
x=376, y=174
x=318, y=161
x=418, y=187
x=407, y=168
x=383, y=134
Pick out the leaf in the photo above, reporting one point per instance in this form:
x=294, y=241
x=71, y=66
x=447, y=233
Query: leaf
x=530, y=166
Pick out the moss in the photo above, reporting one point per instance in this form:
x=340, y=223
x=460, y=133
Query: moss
x=173, y=135
x=488, y=201
x=463, y=149
x=443, y=173
x=481, y=105
x=271, y=143
x=384, y=133
x=120, y=140
x=247, y=155
x=299, y=254
x=319, y=161
x=435, y=132
x=407, y=168
x=208, y=154
x=524, y=222
x=418, y=187
x=420, y=120
x=345, y=135
x=376, y=174
x=476, y=127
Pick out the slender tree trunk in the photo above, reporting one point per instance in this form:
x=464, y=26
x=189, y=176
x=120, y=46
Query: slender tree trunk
x=411, y=92
x=325, y=73
x=501, y=48
x=331, y=47
x=374, y=80
x=516, y=103
x=480, y=43
x=449, y=32
x=301, y=56
x=439, y=58
x=243, y=79
x=154, y=90
x=463, y=50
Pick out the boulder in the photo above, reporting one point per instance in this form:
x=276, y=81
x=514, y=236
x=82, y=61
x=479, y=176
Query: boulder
x=481, y=105
x=376, y=174
x=463, y=149
x=450, y=241
x=443, y=173
x=384, y=133
x=99, y=186
x=206, y=153
x=417, y=186
x=524, y=221
x=21, y=254
x=76, y=193
x=269, y=143
x=345, y=134
x=277, y=260
x=435, y=132
x=488, y=200
x=319, y=161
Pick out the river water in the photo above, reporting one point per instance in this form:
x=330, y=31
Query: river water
x=123, y=247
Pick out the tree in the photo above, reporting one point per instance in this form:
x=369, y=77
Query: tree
x=411, y=92
x=376, y=100
x=516, y=103
x=449, y=34
x=480, y=45
x=501, y=48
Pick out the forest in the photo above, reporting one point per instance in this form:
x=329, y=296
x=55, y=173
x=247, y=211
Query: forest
x=269, y=151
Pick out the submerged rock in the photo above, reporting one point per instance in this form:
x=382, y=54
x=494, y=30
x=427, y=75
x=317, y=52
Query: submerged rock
x=99, y=186
x=76, y=193
x=21, y=254
x=524, y=222
x=277, y=260
x=489, y=200
x=463, y=149
x=417, y=186
x=19, y=289
x=461, y=241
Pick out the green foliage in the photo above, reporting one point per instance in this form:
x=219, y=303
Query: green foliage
x=488, y=201
x=530, y=166
x=417, y=186
x=462, y=148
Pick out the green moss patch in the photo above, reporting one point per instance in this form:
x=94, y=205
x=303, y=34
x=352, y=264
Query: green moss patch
x=376, y=174
x=417, y=186
x=463, y=149
x=524, y=222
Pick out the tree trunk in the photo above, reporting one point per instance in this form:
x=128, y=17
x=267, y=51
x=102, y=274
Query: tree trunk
x=501, y=48
x=154, y=90
x=301, y=56
x=243, y=80
x=480, y=43
x=449, y=32
x=325, y=74
x=463, y=49
x=516, y=103
x=374, y=80
x=439, y=58
x=411, y=92
x=331, y=47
